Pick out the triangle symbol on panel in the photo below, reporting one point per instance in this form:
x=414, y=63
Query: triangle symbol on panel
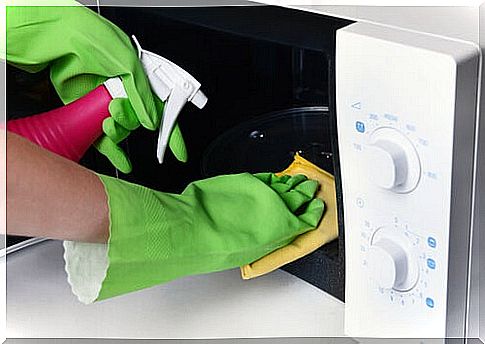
x=357, y=105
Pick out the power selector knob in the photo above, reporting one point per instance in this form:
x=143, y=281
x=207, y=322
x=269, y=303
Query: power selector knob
x=391, y=261
x=392, y=160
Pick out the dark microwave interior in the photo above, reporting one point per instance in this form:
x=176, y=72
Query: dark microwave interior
x=268, y=73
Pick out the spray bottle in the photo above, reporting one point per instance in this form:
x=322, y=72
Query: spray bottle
x=70, y=130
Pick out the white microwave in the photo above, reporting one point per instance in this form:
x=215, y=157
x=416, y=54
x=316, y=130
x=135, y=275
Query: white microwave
x=391, y=111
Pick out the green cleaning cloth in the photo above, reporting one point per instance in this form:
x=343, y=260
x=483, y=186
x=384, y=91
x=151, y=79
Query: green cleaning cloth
x=214, y=224
x=82, y=50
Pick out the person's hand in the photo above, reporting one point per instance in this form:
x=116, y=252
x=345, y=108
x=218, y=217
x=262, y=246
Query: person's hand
x=83, y=50
x=215, y=224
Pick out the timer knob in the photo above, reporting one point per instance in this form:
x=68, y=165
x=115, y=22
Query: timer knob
x=393, y=162
x=391, y=261
x=388, y=263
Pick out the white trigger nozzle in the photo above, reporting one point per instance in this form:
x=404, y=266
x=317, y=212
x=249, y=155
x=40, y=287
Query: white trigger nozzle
x=173, y=84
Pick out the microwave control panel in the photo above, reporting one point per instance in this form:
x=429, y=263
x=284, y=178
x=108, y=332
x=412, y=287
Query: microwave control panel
x=398, y=95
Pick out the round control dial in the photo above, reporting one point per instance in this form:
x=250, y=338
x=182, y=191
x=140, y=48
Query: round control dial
x=391, y=260
x=392, y=160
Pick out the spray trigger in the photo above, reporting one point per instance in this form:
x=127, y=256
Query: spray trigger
x=173, y=85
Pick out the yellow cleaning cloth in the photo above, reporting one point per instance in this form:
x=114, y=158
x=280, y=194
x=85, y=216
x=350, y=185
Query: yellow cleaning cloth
x=308, y=242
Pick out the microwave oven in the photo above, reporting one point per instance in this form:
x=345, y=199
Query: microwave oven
x=393, y=113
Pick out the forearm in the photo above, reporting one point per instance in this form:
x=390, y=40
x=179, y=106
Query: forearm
x=49, y=196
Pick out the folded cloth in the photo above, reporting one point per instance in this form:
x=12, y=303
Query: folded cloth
x=307, y=242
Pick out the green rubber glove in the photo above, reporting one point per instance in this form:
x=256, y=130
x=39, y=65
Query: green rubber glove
x=83, y=50
x=215, y=224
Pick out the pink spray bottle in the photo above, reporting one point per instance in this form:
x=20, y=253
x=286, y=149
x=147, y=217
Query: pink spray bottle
x=70, y=130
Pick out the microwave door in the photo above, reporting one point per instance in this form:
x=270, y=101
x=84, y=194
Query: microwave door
x=406, y=114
